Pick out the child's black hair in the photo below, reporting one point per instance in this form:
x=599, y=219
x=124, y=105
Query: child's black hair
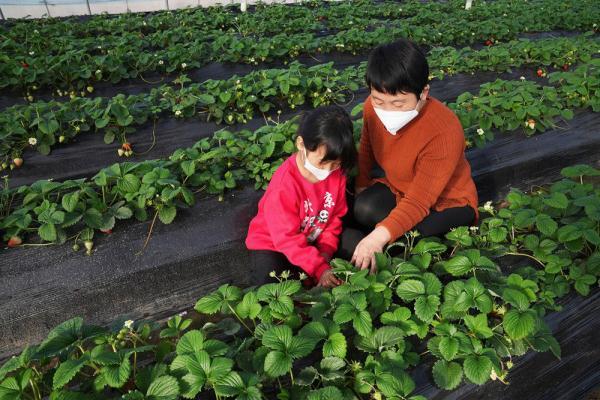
x=331, y=126
x=397, y=67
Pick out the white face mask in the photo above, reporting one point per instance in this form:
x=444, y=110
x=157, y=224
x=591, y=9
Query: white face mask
x=320, y=174
x=395, y=120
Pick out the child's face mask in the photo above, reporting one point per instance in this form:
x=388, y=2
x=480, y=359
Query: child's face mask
x=320, y=174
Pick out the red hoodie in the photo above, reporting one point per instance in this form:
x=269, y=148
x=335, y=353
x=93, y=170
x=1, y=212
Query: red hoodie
x=300, y=219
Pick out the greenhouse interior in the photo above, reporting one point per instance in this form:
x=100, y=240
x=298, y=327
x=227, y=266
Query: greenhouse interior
x=308, y=199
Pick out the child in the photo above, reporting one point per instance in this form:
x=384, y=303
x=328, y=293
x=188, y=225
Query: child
x=299, y=217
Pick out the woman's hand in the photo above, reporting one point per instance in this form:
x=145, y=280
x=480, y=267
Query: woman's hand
x=328, y=279
x=364, y=254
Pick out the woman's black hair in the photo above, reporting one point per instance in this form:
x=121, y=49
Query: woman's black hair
x=397, y=67
x=331, y=126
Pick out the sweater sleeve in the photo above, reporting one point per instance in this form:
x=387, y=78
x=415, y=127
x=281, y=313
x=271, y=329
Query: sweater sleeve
x=328, y=240
x=434, y=168
x=283, y=224
x=366, y=158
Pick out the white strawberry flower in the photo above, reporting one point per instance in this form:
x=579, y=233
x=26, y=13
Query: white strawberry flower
x=178, y=113
x=32, y=141
x=480, y=132
x=488, y=206
x=128, y=324
x=183, y=65
x=160, y=62
x=522, y=78
x=493, y=375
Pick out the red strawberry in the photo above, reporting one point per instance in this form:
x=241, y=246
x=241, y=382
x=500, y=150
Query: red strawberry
x=24, y=64
x=540, y=72
x=565, y=67
x=488, y=42
x=107, y=231
x=14, y=241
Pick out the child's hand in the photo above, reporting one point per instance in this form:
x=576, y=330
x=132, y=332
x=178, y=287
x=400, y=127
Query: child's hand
x=326, y=256
x=328, y=279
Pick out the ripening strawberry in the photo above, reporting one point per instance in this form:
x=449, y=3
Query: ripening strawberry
x=565, y=67
x=14, y=241
x=18, y=161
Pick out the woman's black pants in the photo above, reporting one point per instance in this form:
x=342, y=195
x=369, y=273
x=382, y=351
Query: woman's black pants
x=376, y=202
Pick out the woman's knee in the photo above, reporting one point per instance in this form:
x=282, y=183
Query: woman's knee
x=438, y=223
x=373, y=205
x=363, y=210
x=349, y=239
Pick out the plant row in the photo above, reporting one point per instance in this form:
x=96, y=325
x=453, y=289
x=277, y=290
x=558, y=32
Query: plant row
x=238, y=99
x=279, y=19
x=57, y=212
x=266, y=19
x=458, y=301
x=73, y=70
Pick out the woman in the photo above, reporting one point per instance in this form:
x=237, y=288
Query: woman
x=419, y=144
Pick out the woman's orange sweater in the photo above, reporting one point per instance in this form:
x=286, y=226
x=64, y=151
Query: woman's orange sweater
x=424, y=164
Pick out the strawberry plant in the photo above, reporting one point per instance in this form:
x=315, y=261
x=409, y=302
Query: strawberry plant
x=555, y=52
x=506, y=106
x=581, y=88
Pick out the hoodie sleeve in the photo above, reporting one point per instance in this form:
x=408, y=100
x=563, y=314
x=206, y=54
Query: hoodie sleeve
x=283, y=223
